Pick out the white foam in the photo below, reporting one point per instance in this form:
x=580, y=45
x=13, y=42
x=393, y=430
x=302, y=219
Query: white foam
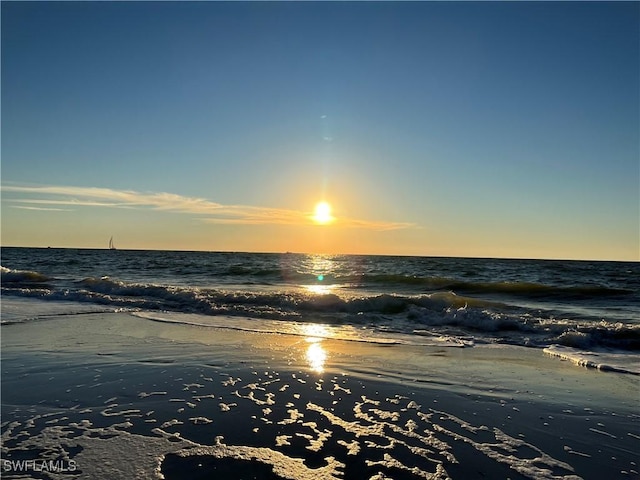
x=112, y=452
x=529, y=467
x=289, y=327
x=200, y=420
x=171, y=423
x=282, y=440
x=605, y=361
x=353, y=447
x=380, y=427
x=145, y=395
x=390, y=462
x=134, y=412
x=283, y=466
x=226, y=407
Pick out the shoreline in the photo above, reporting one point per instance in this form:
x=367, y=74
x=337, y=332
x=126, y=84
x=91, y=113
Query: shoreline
x=84, y=381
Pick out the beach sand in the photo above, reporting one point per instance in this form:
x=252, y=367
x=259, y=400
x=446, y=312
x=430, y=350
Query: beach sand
x=113, y=396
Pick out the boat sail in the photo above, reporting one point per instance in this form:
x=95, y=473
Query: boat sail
x=111, y=245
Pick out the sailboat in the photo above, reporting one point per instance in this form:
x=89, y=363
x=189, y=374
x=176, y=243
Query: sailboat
x=111, y=245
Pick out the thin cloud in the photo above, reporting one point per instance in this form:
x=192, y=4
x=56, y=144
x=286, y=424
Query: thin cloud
x=351, y=223
x=211, y=211
x=75, y=203
x=43, y=209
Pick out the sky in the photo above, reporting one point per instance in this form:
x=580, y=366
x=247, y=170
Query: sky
x=503, y=129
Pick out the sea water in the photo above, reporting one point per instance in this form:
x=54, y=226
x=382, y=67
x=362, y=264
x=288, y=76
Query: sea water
x=588, y=311
x=457, y=396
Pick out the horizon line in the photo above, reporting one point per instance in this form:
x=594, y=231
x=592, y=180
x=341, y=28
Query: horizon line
x=470, y=257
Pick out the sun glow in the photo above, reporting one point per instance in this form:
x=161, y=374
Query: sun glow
x=322, y=213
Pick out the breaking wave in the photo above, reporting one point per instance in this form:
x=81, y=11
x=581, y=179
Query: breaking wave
x=22, y=277
x=438, y=312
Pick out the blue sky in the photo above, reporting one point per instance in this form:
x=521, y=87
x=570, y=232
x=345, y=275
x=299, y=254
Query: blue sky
x=448, y=128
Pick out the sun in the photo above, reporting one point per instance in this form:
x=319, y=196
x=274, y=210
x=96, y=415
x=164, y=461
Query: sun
x=322, y=213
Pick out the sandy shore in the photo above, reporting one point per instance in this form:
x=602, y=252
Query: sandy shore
x=116, y=396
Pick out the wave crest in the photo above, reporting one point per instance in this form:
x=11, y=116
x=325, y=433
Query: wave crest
x=26, y=277
x=437, y=312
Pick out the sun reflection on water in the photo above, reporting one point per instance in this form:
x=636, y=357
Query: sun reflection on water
x=319, y=289
x=315, y=332
x=316, y=354
x=322, y=267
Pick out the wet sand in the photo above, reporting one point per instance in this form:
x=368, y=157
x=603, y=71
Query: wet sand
x=114, y=396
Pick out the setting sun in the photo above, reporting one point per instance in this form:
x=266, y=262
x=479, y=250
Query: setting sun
x=322, y=213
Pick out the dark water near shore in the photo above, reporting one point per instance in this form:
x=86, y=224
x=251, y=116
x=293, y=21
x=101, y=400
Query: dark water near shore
x=115, y=396
x=584, y=304
x=112, y=396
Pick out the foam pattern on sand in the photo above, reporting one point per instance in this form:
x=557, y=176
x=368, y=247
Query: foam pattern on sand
x=331, y=428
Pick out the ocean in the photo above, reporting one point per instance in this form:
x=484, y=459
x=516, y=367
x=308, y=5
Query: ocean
x=163, y=365
x=584, y=311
